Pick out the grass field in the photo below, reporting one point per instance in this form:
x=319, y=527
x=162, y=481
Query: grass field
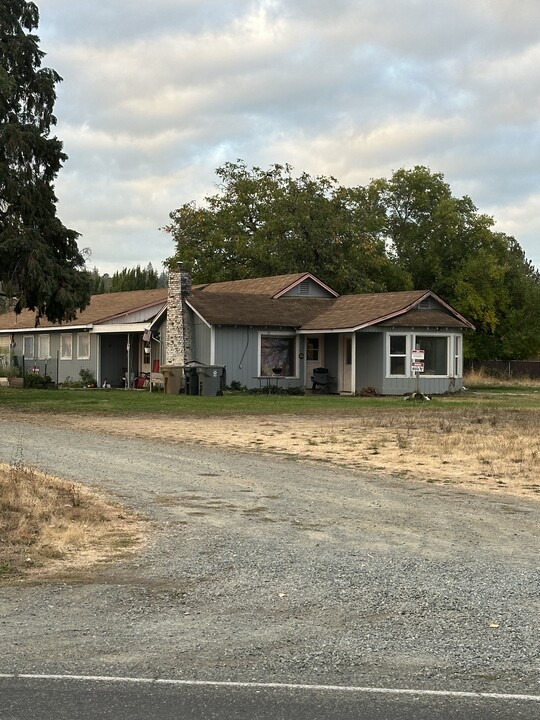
x=126, y=402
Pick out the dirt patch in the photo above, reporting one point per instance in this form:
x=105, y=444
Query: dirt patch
x=477, y=450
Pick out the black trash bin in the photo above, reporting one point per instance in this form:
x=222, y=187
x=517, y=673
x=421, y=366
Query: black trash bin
x=211, y=379
x=191, y=380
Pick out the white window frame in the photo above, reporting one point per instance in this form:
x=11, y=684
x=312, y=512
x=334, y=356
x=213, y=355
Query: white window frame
x=44, y=346
x=279, y=333
x=454, y=359
x=80, y=354
x=449, y=346
x=407, y=355
x=65, y=355
x=458, y=356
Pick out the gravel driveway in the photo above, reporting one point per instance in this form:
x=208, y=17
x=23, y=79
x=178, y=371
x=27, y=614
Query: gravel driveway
x=265, y=569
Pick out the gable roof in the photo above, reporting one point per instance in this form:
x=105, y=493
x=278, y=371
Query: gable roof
x=102, y=308
x=272, y=287
x=354, y=312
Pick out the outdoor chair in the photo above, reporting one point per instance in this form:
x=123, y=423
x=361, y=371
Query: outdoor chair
x=320, y=381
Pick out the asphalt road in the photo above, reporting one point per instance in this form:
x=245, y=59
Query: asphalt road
x=88, y=699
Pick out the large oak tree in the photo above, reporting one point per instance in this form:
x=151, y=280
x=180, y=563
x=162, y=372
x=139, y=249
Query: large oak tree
x=271, y=223
x=405, y=232
x=40, y=262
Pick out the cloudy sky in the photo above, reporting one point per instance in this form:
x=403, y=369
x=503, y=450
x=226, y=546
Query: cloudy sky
x=158, y=93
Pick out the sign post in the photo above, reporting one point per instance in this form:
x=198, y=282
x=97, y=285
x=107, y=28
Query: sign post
x=417, y=366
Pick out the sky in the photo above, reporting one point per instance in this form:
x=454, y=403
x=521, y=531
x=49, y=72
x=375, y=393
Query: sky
x=157, y=94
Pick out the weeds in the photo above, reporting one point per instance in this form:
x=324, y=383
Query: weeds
x=403, y=441
x=44, y=518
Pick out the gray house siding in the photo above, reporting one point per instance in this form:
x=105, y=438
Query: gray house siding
x=58, y=369
x=369, y=360
x=69, y=369
x=238, y=348
x=201, y=342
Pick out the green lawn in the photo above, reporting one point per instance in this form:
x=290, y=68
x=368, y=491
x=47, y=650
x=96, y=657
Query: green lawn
x=128, y=402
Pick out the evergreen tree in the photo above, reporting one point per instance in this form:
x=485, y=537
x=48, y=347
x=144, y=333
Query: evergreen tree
x=134, y=279
x=40, y=262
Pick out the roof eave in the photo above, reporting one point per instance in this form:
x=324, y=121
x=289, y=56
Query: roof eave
x=47, y=329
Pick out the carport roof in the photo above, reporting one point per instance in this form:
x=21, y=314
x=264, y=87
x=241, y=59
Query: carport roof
x=101, y=309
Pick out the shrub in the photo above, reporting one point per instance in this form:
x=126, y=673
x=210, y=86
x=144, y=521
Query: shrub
x=34, y=381
x=87, y=377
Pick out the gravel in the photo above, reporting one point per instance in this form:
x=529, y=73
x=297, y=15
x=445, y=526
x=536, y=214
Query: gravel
x=276, y=570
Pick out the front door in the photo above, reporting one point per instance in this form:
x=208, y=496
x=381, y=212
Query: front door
x=314, y=356
x=346, y=363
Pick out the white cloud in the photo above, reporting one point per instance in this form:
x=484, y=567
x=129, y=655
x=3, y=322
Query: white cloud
x=158, y=93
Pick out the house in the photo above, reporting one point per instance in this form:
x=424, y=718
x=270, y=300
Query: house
x=294, y=323
x=107, y=338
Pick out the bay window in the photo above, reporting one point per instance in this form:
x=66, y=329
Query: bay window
x=442, y=354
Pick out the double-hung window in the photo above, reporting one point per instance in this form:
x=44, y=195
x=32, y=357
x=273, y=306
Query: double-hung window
x=83, y=346
x=44, y=347
x=397, y=361
x=66, y=347
x=28, y=347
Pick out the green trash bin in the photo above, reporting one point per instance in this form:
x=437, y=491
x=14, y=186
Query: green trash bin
x=211, y=379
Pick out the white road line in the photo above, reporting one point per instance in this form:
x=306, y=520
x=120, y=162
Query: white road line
x=278, y=686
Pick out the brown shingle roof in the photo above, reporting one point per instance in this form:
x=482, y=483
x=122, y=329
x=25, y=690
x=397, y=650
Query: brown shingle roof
x=249, y=309
x=250, y=302
x=101, y=308
x=355, y=311
x=268, y=286
x=426, y=318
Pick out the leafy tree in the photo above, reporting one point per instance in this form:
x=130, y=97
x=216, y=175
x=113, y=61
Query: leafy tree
x=446, y=245
x=271, y=223
x=40, y=262
x=405, y=232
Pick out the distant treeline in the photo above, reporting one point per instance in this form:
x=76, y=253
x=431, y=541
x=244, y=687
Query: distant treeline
x=128, y=279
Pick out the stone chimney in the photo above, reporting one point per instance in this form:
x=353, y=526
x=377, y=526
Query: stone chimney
x=178, y=339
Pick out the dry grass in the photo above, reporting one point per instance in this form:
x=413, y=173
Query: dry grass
x=476, y=448
x=48, y=525
x=481, y=377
